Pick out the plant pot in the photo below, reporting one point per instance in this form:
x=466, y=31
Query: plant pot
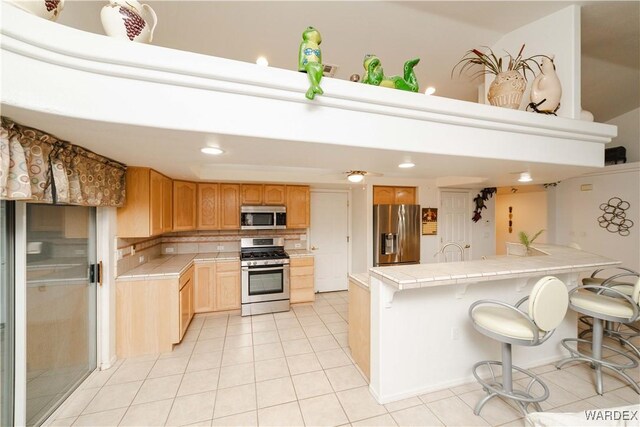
x=507, y=89
x=47, y=9
x=517, y=249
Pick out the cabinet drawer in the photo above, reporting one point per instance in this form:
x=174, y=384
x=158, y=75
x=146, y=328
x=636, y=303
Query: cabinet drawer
x=302, y=282
x=301, y=262
x=227, y=266
x=302, y=295
x=301, y=271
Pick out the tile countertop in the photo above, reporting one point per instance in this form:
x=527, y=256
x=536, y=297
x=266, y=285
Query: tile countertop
x=553, y=260
x=296, y=253
x=361, y=279
x=167, y=266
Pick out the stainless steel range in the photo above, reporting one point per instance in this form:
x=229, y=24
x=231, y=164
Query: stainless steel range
x=265, y=275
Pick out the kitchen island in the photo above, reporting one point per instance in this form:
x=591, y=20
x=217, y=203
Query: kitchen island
x=422, y=339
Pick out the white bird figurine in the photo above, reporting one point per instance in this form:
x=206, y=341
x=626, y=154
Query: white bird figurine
x=546, y=90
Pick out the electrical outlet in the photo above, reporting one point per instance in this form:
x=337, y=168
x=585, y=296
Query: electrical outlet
x=133, y=250
x=303, y=237
x=297, y=246
x=455, y=334
x=119, y=254
x=141, y=259
x=220, y=247
x=169, y=250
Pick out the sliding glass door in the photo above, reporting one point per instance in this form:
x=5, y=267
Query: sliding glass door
x=6, y=313
x=61, y=305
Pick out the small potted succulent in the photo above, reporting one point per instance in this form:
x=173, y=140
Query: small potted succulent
x=509, y=85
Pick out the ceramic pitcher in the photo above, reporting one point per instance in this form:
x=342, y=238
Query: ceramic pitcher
x=126, y=19
x=47, y=9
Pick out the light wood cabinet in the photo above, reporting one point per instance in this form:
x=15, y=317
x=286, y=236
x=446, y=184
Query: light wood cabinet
x=252, y=194
x=274, y=195
x=184, y=206
x=208, y=207
x=301, y=279
x=146, y=211
x=167, y=204
x=230, y=206
x=227, y=286
x=298, y=209
x=186, y=301
x=385, y=195
x=204, y=287
x=360, y=326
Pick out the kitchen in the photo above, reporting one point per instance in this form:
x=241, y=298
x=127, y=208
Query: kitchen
x=361, y=200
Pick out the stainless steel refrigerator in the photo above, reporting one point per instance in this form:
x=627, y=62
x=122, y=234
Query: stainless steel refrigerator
x=396, y=234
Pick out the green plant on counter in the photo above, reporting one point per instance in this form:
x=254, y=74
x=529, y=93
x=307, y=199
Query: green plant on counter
x=526, y=241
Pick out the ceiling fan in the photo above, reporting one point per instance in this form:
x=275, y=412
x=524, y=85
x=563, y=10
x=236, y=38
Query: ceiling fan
x=358, y=175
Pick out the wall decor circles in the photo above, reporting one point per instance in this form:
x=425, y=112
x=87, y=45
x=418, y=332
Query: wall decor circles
x=614, y=219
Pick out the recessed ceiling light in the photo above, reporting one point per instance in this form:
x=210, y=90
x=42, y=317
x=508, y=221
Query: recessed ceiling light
x=430, y=90
x=525, y=177
x=406, y=165
x=262, y=61
x=214, y=151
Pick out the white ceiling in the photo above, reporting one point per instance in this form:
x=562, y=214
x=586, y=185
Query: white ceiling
x=437, y=32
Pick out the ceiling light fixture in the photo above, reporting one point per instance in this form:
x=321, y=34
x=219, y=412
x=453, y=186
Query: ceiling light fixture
x=214, y=151
x=525, y=177
x=262, y=61
x=406, y=165
x=430, y=90
x=356, y=176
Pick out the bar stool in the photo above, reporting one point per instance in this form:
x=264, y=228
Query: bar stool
x=510, y=325
x=602, y=306
x=624, y=282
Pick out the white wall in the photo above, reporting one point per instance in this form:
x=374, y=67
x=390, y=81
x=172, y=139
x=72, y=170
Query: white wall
x=359, y=229
x=483, y=232
x=529, y=215
x=577, y=212
x=557, y=34
x=628, y=134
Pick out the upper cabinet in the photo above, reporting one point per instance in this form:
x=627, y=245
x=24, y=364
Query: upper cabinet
x=184, y=206
x=229, y=206
x=208, y=207
x=252, y=194
x=384, y=195
x=146, y=211
x=298, y=209
x=274, y=194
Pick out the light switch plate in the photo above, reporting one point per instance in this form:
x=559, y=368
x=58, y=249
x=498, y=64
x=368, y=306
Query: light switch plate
x=169, y=250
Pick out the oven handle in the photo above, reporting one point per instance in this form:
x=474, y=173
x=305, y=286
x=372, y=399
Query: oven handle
x=278, y=267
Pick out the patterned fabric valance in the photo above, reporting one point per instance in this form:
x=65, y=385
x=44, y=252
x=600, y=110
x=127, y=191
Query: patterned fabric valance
x=38, y=166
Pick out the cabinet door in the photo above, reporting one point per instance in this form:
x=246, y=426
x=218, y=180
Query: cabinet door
x=274, y=195
x=167, y=204
x=185, y=305
x=383, y=195
x=134, y=217
x=227, y=286
x=184, y=206
x=252, y=194
x=405, y=195
x=230, y=206
x=155, y=211
x=297, y=206
x=204, y=291
x=301, y=277
x=208, y=207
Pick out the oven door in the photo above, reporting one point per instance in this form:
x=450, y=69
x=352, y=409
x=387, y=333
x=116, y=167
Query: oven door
x=265, y=283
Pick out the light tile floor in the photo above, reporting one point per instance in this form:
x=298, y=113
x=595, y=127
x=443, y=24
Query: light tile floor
x=292, y=369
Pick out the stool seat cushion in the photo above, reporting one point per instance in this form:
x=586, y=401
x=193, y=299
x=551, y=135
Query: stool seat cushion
x=609, y=306
x=625, y=288
x=503, y=321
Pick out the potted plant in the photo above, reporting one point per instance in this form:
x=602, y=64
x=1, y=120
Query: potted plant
x=526, y=240
x=509, y=85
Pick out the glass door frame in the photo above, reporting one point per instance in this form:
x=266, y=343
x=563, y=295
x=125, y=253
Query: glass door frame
x=7, y=226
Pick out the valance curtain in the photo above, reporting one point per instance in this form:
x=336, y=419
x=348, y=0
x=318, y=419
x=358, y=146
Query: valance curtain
x=39, y=167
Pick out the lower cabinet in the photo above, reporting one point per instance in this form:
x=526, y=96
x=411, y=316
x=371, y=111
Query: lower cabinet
x=204, y=290
x=186, y=301
x=227, y=286
x=360, y=326
x=301, y=279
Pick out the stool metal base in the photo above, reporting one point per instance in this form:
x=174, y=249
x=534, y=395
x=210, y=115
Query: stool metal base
x=598, y=363
x=610, y=331
x=493, y=388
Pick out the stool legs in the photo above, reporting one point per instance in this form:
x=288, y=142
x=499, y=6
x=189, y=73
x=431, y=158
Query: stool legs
x=596, y=357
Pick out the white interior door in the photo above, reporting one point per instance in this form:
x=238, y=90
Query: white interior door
x=454, y=225
x=328, y=239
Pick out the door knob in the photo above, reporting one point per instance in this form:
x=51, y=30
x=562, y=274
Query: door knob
x=467, y=246
x=313, y=248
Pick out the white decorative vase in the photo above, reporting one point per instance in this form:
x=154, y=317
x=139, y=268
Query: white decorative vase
x=125, y=19
x=47, y=9
x=507, y=89
x=546, y=90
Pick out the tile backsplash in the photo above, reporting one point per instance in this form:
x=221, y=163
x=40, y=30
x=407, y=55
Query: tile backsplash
x=135, y=252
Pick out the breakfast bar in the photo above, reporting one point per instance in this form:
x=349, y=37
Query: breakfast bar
x=421, y=337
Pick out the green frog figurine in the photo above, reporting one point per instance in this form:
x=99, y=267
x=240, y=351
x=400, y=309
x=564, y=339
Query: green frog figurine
x=374, y=75
x=310, y=60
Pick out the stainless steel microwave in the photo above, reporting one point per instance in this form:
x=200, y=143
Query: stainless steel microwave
x=263, y=217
